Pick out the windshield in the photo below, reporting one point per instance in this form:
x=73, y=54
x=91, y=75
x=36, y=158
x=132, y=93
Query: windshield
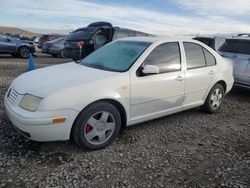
x=118, y=56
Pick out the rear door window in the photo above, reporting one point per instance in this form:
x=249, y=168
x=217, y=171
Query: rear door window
x=198, y=56
x=236, y=46
x=194, y=55
x=210, y=59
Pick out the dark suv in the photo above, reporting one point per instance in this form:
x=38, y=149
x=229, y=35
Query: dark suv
x=213, y=42
x=83, y=41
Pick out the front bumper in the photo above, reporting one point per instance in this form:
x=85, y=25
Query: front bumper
x=39, y=126
x=54, y=52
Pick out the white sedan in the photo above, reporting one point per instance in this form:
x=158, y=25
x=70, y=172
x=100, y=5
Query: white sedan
x=123, y=83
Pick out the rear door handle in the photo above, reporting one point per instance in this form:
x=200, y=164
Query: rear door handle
x=211, y=72
x=179, y=78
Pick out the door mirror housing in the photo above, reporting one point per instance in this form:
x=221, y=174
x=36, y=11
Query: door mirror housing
x=150, y=69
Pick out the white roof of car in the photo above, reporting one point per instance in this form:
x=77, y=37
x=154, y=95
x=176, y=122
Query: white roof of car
x=154, y=39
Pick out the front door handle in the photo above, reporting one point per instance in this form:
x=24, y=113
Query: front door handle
x=179, y=78
x=211, y=72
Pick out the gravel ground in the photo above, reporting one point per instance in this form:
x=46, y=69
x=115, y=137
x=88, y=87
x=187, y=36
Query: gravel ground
x=188, y=149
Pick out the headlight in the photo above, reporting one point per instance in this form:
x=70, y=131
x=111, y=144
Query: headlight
x=30, y=102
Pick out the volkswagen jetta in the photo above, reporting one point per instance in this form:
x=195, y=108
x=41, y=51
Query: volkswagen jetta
x=125, y=82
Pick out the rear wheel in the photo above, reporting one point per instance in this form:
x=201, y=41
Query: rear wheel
x=97, y=126
x=24, y=52
x=214, y=99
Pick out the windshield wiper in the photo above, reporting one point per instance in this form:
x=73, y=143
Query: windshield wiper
x=101, y=67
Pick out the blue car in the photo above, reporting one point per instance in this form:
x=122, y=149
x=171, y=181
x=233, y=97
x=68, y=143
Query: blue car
x=15, y=46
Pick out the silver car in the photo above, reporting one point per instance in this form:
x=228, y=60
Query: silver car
x=237, y=50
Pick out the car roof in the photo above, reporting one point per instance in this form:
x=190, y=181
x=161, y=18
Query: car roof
x=156, y=39
x=238, y=39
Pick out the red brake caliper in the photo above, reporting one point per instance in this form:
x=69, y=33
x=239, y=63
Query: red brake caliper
x=88, y=128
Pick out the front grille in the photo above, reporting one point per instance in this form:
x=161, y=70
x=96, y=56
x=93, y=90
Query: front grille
x=12, y=96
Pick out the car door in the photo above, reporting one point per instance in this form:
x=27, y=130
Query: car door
x=7, y=45
x=201, y=69
x=158, y=94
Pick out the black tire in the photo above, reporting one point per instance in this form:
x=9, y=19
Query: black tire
x=24, y=52
x=54, y=55
x=210, y=105
x=79, y=130
x=14, y=55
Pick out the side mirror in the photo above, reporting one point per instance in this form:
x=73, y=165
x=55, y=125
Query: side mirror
x=150, y=69
x=8, y=40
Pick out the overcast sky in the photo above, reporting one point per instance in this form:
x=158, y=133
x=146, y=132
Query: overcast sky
x=165, y=17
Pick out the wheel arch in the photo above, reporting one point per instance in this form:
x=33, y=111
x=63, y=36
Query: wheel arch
x=23, y=46
x=116, y=103
x=223, y=83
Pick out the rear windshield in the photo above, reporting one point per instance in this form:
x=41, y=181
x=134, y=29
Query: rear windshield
x=236, y=46
x=118, y=56
x=81, y=33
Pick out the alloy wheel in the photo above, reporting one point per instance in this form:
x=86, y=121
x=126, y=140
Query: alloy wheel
x=216, y=98
x=24, y=52
x=99, y=128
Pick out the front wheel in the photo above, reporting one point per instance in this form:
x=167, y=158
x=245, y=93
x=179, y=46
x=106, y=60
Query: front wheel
x=97, y=126
x=214, y=99
x=24, y=52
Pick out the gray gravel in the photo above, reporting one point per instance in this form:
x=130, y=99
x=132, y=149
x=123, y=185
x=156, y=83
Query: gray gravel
x=188, y=149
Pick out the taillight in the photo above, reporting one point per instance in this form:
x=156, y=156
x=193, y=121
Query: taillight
x=80, y=43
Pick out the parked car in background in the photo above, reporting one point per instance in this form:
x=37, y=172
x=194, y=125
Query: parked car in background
x=237, y=50
x=242, y=35
x=83, y=41
x=213, y=42
x=35, y=39
x=47, y=37
x=123, y=83
x=54, y=47
x=15, y=46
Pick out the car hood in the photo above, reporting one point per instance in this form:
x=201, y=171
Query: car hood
x=18, y=41
x=45, y=81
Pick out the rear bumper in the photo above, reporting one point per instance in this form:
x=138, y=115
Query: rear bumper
x=72, y=53
x=242, y=81
x=39, y=126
